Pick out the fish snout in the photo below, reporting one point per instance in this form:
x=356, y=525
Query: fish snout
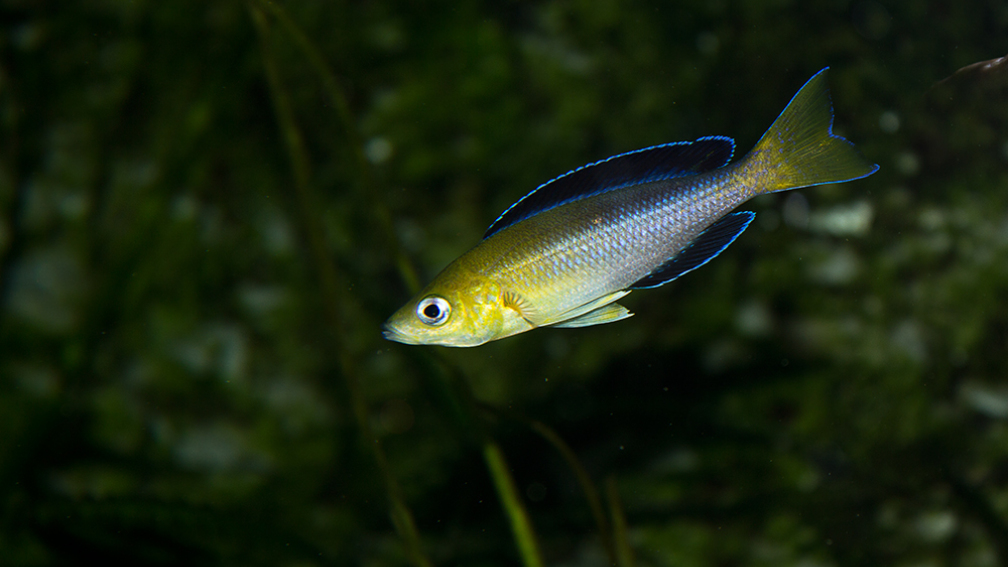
x=392, y=334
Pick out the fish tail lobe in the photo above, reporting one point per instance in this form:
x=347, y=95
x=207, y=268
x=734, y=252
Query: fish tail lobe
x=799, y=149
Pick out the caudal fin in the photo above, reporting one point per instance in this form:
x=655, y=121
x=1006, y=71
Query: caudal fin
x=800, y=148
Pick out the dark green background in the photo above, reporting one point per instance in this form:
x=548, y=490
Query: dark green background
x=208, y=208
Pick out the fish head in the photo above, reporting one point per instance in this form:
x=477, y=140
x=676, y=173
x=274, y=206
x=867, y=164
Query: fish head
x=453, y=311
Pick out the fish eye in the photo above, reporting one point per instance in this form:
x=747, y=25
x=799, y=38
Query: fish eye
x=433, y=310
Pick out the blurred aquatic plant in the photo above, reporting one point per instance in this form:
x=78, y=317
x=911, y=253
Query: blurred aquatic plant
x=509, y=495
x=331, y=282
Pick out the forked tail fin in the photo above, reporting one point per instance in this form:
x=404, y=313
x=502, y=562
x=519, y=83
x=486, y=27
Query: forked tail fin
x=800, y=148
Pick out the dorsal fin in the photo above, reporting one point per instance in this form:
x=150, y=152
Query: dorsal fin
x=640, y=166
x=703, y=249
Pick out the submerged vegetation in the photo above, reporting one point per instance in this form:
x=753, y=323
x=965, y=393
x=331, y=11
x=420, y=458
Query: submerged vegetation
x=208, y=208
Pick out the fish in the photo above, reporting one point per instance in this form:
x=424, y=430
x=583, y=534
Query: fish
x=991, y=75
x=563, y=255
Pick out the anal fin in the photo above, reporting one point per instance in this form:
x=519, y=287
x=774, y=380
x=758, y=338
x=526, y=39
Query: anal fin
x=605, y=314
x=704, y=248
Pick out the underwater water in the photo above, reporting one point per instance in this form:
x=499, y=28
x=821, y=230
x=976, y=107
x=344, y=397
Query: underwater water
x=208, y=209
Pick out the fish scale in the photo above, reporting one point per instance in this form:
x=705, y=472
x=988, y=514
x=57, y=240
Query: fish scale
x=638, y=230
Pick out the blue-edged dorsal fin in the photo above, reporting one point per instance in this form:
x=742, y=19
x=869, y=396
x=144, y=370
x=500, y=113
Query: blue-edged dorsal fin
x=703, y=249
x=640, y=166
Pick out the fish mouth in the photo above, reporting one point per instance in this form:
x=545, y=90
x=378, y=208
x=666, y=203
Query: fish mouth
x=392, y=334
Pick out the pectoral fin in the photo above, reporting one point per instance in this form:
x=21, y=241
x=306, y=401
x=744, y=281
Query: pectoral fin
x=513, y=300
x=595, y=312
x=604, y=314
